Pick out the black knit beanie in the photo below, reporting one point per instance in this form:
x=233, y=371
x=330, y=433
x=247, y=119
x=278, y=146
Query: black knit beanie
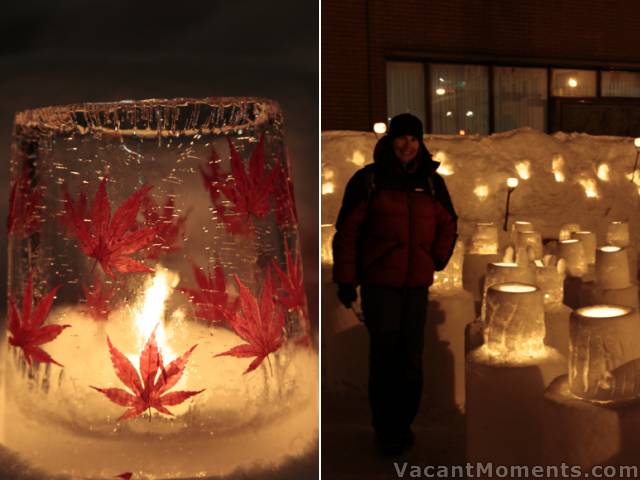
x=405, y=124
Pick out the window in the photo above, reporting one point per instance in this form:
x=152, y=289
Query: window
x=621, y=84
x=573, y=83
x=520, y=98
x=454, y=98
x=459, y=98
x=405, y=89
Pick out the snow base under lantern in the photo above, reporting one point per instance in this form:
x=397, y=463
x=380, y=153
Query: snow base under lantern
x=504, y=406
x=253, y=422
x=556, y=324
x=579, y=432
x=444, y=349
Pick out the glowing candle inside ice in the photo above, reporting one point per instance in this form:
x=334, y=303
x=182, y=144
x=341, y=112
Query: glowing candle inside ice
x=603, y=338
x=515, y=320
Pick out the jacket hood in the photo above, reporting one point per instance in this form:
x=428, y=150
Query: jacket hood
x=383, y=155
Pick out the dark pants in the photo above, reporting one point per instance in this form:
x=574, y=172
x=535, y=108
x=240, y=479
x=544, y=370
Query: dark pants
x=395, y=318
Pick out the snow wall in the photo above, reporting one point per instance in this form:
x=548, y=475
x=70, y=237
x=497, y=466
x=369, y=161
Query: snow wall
x=563, y=178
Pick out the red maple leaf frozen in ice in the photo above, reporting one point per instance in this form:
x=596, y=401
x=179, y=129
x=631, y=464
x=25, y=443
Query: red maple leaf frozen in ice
x=168, y=225
x=99, y=299
x=291, y=281
x=26, y=327
x=248, y=191
x=286, y=214
x=25, y=204
x=211, y=301
x=259, y=324
x=110, y=240
x=148, y=389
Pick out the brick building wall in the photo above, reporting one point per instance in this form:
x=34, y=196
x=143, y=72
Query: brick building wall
x=359, y=35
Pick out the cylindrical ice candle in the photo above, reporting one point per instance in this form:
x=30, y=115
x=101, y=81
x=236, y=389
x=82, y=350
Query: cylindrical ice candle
x=551, y=282
x=502, y=272
x=573, y=253
x=612, y=267
x=531, y=239
x=519, y=226
x=157, y=322
x=603, y=340
x=567, y=230
x=515, y=320
x=484, y=239
x=618, y=234
x=589, y=244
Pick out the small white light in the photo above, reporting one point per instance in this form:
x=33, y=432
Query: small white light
x=441, y=79
x=449, y=113
x=636, y=142
x=462, y=132
x=469, y=113
x=573, y=83
x=380, y=128
x=512, y=182
x=440, y=91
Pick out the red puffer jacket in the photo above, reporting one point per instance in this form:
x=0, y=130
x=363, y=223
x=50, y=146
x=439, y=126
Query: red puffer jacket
x=396, y=225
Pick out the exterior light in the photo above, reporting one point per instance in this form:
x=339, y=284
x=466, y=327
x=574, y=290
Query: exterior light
x=469, y=113
x=572, y=82
x=440, y=91
x=380, y=128
x=512, y=182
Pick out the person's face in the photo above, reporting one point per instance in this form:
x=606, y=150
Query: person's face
x=405, y=148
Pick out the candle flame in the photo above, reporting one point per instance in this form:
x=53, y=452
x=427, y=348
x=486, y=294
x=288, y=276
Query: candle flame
x=557, y=167
x=358, y=158
x=481, y=191
x=150, y=313
x=523, y=169
x=603, y=172
x=445, y=167
x=590, y=187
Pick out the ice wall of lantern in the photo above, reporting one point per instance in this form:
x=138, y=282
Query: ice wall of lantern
x=553, y=194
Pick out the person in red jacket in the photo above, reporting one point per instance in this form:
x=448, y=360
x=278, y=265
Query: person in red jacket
x=395, y=228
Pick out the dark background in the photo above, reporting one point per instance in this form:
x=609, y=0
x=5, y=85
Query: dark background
x=83, y=51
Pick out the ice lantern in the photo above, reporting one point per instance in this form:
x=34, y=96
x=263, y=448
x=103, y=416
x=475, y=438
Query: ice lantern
x=157, y=322
x=515, y=320
x=603, y=350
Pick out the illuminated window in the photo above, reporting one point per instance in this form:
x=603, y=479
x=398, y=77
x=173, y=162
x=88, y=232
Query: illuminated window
x=465, y=104
x=573, y=83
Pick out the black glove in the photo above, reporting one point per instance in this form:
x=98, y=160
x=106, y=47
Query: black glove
x=347, y=294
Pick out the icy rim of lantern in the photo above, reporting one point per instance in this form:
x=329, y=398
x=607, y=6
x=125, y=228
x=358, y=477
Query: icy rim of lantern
x=151, y=117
